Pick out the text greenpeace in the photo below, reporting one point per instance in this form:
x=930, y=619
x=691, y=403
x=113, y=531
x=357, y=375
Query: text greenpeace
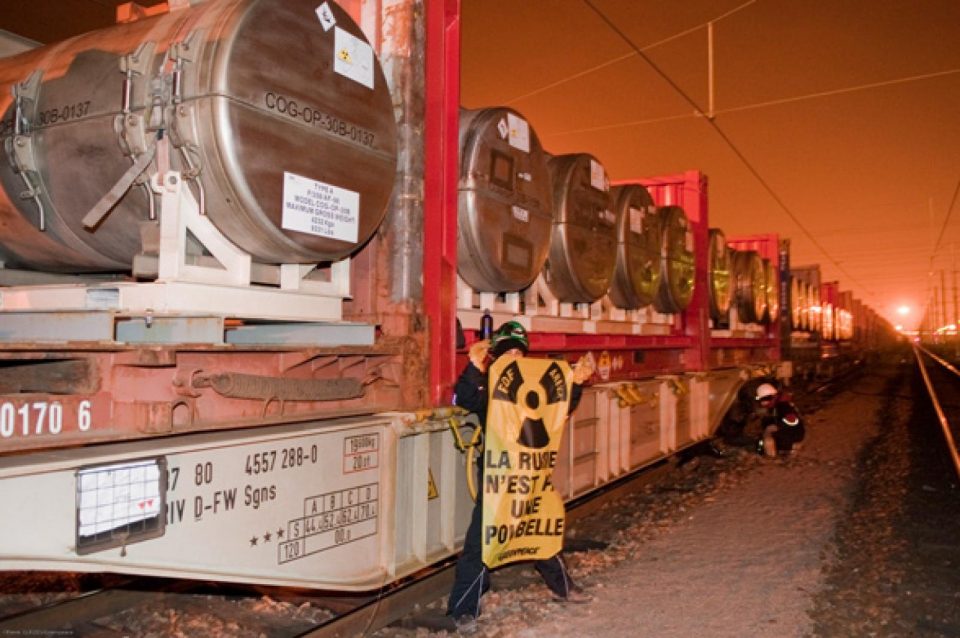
x=523, y=516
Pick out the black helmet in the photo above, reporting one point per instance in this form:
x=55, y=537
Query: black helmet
x=507, y=337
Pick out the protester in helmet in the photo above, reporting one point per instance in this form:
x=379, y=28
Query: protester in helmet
x=782, y=429
x=747, y=407
x=767, y=394
x=472, y=579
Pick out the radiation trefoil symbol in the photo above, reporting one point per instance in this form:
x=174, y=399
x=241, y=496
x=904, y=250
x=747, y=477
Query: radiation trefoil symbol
x=531, y=398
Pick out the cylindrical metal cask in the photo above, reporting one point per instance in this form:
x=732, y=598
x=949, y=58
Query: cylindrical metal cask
x=806, y=312
x=505, y=211
x=583, y=249
x=797, y=303
x=276, y=111
x=750, y=296
x=676, y=261
x=637, y=274
x=816, y=309
x=718, y=276
x=771, y=291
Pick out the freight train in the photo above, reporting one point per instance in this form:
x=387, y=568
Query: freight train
x=246, y=245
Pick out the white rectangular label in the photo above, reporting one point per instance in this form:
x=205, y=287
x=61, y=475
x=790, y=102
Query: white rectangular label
x=519, y=132
x=325, y=15
x=320, y=209
x=110, y=497
x=598, y=176
x=636, y=220
x=352, y=57
x=102, y=298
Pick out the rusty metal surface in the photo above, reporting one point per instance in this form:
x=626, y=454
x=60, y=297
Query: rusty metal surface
x=247, y=386
x=51, y=399
x=71, y=376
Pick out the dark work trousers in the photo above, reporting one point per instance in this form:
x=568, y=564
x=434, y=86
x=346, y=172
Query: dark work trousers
x=472, y=577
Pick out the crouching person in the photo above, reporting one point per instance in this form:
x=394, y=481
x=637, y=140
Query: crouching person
x=783, y=429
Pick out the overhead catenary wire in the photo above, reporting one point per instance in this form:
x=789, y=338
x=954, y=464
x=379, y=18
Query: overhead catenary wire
x=627, y=56
x=764, y=104
x=726, y=139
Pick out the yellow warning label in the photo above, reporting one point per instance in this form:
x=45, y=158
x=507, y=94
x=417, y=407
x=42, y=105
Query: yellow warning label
x=432, y=492
x=523, y=515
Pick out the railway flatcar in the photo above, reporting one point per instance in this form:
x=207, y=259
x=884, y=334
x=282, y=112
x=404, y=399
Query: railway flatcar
x=238, y=286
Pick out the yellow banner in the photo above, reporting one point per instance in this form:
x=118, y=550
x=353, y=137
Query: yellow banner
x=523, y=515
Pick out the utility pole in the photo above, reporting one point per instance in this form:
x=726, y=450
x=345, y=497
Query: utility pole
x=710, y=80
x=943, y=299
x=956, y=314
x=934, y=313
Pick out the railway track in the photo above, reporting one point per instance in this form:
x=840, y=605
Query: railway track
x=106, y=605
x=942, y=380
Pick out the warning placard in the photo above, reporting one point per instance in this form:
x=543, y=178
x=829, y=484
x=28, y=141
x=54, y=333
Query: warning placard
x=519, y=132
x=320, y=209
x=523, y=515
x=353, y=58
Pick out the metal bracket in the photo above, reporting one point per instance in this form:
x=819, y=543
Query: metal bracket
x=182, y=133
x=677, y=387
x=19, y=147
x=630, y=394
x=96, y=215
x=128, y=125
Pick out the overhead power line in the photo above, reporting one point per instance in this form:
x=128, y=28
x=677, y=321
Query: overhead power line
x=729, y=142
x=765, y=104
x=626, y=56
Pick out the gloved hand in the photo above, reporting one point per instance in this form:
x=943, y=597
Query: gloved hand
x=583, y=369
x=478, y=354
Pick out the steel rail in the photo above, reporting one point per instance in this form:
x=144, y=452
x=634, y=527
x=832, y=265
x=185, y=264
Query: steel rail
x=84, y=607
x=946, y=364
x=944, y=424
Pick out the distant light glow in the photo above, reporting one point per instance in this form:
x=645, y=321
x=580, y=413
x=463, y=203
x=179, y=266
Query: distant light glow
x=903, y=310
x=898, y=327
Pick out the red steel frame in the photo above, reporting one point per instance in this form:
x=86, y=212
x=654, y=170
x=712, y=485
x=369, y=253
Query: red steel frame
x=765, y=349
x=440, y=190
x=689, y=191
